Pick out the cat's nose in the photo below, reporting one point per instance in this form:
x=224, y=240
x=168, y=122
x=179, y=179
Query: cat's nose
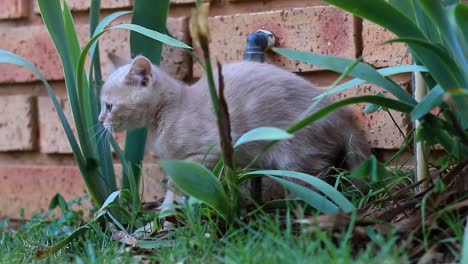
x=101, y=119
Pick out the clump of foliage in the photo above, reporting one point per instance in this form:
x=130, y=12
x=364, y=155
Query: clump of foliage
x=429, y=223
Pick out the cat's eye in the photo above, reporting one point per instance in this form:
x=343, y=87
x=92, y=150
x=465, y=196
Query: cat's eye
x=109, y=107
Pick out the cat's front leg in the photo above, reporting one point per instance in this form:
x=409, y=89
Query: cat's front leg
x=169, y=197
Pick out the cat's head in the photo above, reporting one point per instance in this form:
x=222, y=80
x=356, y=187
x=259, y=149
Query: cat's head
x=127, y=97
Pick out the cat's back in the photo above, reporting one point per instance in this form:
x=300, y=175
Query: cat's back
x=264, y=77
x=256, y=90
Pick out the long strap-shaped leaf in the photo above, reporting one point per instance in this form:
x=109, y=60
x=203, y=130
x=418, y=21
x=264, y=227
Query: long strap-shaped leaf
x=374, y=99
x=60, y=27
x=361, y=70
x=384, y=72
x=440, y=15
x=151, y=15
x=312, y=198
x=384, y=14
x=95, y=82
x=54, y=20
x=332, y=193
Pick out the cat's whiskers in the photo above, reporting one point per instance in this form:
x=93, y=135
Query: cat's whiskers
x=93, y=127
x=101, y=134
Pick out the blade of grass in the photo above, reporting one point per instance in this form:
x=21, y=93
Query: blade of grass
x=79, y=231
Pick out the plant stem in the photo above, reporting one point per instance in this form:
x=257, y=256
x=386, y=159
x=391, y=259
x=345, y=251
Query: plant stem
x=422, y=169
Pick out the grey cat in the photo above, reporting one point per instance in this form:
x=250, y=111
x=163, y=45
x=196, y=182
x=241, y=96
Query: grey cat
x=139, y=94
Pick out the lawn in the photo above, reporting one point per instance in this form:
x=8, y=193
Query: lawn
x=292, y=234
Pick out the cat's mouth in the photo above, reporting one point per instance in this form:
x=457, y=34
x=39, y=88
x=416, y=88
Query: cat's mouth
x=113, y=128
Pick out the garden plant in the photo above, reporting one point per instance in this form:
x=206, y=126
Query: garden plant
x=402, y=216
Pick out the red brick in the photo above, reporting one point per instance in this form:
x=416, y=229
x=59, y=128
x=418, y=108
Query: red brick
x=32, y=188
x=17, y=123
x=378, y=127
x=34, y=44
x=83, y=5
x=52, y=137
x=323, y=29
x=175, y=61
x=378, y=55
x=12, y=9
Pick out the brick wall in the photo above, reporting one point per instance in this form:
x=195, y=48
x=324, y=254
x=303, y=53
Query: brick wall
x=35, y=158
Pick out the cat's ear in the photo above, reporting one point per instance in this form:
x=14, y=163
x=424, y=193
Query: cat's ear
x=118, y=61
x=140, y=72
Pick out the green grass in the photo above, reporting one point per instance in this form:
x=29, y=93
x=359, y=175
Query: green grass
x=267, y=238
x=262, y=241
x=281, y=236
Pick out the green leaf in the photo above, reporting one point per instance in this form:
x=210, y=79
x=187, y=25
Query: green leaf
x=436, y=131
x=150, y=15
x=370, y=168
x=108, y=201
x=378, y=100
x=312, y=198
x=59, y=25
x=384, y=72
x=461, y=17
x=440, y=14
x=371, y=108
x=361, y=70
x=94, y=83
x=62, y=243
x=154, y=243
x=405, y=7
x=433, y=99
x=154, y=35
x=197, y=181
x=332, y=193
x=55, y=22
x=58, y=201
x=464, y=253
x=441, y=66
x=263, y=134
x=381, y=13
x=79, y=231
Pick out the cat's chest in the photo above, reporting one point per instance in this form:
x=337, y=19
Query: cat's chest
x=162, y=149
x=171, y=146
